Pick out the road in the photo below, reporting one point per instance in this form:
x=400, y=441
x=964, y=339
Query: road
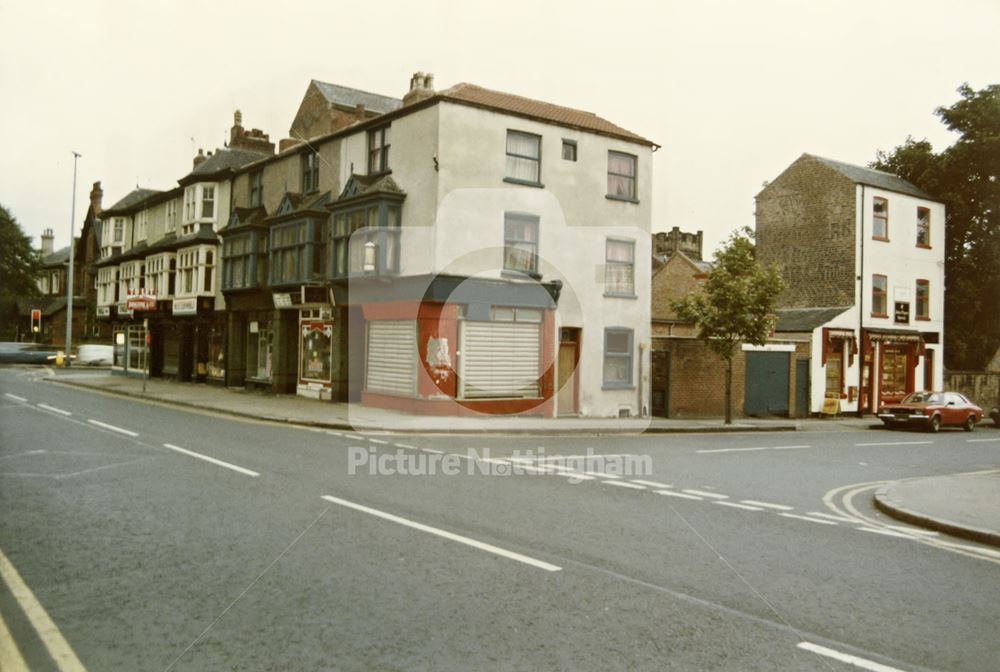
x=138, y=536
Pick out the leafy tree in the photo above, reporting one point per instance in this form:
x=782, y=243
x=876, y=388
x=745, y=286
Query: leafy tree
x=19, y=264
x=735, y=304
x=966, y=176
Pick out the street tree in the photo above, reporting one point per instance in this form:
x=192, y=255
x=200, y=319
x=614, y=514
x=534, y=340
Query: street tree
x=966, y=176
x=734, y=305
x=19, y=267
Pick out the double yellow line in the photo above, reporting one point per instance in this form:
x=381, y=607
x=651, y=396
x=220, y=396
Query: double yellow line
x=59, y=649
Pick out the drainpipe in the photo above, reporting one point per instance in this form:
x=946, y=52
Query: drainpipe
x=861, y=308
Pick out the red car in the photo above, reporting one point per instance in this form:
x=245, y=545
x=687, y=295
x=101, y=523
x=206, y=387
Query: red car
x=932, y=410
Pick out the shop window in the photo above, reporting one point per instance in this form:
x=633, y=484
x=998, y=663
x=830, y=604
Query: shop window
x=834, y=374
x=894, y=370
x=217, y=352
x=259, y=350
x=315, y=351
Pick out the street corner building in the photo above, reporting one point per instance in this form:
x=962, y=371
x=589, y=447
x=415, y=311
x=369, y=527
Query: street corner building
x=862, y=253
x=452, y=252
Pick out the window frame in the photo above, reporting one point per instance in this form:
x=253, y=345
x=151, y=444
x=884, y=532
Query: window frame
x=608, y=263
x=924, y=227
x=510, y=155
x=882, y=293
x=570, y=144
x=379, y=153
x=256, y=187
x=629, y=356
x=884, y=218
x=509, y=217
x=924, y=314
x=633, y=178
x=310, y=172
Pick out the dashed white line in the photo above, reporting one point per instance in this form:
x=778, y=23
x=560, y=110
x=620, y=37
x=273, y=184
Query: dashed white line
x=768, y=505
x=739, y=506
x=888, y=533
x=791, y=447
x=967, y=440
x=910, y=530
x=857, y=661
x=213, y=460
x=333, y=433
x=378, y=441
x=839, y=519
x=489, y=548
x=405, y=445
x=966, y=547
x=893, y=443
x=113, y=428
x=811, y=520
x=601, y=474
x=702, y=493
x=354, y=437
x=431, y=450
x=623, y=484
x=652, y=484
x=671, y=493
x=732, y=450
x=15, y=397
x=54, y=409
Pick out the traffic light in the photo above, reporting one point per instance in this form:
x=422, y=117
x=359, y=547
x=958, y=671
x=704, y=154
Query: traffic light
x=36, y=321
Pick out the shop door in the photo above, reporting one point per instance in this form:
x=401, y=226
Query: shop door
x=766, y=384
x=895, y=382
x=802, y=388
x=569, y=356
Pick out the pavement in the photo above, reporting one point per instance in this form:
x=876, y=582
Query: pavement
x=964, y=505
x=292, y=409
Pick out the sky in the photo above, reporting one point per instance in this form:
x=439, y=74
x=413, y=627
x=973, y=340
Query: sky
x=732, y=91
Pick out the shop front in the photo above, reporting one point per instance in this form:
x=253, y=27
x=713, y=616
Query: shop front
x=889, y=362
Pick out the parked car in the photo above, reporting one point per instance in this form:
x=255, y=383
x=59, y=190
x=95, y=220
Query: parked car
x=95, y=355
x=932, y=410
x=995, y=414
x=26, y=353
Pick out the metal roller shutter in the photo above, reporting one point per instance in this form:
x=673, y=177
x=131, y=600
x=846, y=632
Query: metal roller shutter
x=500, y=359
x=392, y=357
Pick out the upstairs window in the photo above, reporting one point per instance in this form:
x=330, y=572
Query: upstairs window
x=310, y=172
x=141, y=224
x=256, y=188
x=171, y=217
x=880, y=218
x=621, y=176
x=378, y=150
x=923, y=227
x=569, y=150
x=923, y=300
x=619, y=274
x=119, y=231
x=190, y=198
x=207, y=202
x=524, y=157
x=880, y=305
x=520, y=243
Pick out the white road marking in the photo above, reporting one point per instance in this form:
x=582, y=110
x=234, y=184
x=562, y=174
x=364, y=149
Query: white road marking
x=623, y=484
x=15, y=397
x=105, y=425
x=10, y=655
x=967, y=440
x=839, y=519
x=910, y=530
x=579, y=477
x=893, y=443
x=489, y=548
x=332, y=433
x=405, y=445
x=732, y=450
x=857, y=661
x=739, y=506
x=220, y=463
x=652, y=484
x=791, y=447
x=702, y=493
x=354, y=437
x=57, y=646
x=601, y=474
x=888, y=533
x=379, y=441
x=534, y=470
x=767, y=505
x=670, y=493
x=431, y=450
x=966, y=547
x=811, y=520
x=54, y=409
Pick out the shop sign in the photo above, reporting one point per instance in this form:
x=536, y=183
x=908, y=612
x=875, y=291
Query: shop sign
x=282, y=300
x=902, y=312
x=185, y=306
x=123, y=310
x=254, y=327
x=102, y=311
x=141, y=300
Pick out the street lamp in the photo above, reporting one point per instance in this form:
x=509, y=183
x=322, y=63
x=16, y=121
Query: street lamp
x=69, y=280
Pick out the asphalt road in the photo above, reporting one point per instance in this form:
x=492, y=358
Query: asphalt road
x=160, y=539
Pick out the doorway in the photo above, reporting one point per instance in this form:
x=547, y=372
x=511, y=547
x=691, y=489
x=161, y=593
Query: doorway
x=569, y=359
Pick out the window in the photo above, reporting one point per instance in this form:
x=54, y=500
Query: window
x=195, y=268
x=880, y=218
x=379, y=223
x=923, y=227
x=569, y=150
x=319, y=260
x=256, y=188
x=619, y=273
x=288, y=253
x=524, y=157
x=520, y=243
x=171, y=218
x=835, y=373
x=119, y=231
x=621, y=176
x=141, y=224
x=310, y=172
x=208, y=270
x=378, y=150
x=880, y=286
x=617, y=358
x=237, y=262
x=190, y=196
x=923, y=299
x=207, y=202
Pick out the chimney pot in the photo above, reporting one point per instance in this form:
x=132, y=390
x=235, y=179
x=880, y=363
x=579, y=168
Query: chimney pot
x=47, y=240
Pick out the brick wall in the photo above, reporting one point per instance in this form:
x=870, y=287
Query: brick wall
x=806, y=225
x=694, y=378
x=983, y=388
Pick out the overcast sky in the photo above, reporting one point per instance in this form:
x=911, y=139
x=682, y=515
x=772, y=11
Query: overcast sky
x=733, y=91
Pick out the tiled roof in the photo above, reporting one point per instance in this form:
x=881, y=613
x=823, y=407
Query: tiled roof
x=873, y=178
x=134, y=197
x=805, y=319
x=225, y=159
x=57, y=258
x=347, y=97
x=537, y=109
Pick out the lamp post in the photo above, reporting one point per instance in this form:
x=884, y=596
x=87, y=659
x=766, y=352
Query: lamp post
x=69, y=279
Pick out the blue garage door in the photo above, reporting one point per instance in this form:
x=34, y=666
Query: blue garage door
x=766, y=387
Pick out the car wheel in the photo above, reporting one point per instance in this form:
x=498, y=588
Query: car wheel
x=935, y=423
x=970, y=423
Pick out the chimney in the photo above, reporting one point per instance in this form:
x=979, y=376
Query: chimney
x=421, y=88
x=254, y=140
x=201, y=158
x=359, y=112
x=96, y=194
x=47, y=239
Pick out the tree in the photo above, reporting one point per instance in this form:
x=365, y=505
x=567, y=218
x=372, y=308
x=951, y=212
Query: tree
x=966, y=176
x=735, y=304
x=19, y=265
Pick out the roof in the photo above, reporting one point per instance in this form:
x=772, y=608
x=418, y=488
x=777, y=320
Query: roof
x=223, y=160
x=133, y=198
x=872, y=177
x=662, y=260
x=805, y=319
x=57, y=258
x=344, y=96
x=49, y=305
x=527, y=107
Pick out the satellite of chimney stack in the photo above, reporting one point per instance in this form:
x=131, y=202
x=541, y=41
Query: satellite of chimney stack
x=421, y=88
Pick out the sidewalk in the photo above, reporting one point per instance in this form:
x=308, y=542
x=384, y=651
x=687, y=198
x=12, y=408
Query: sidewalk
x=963, y=505
x=309, y=412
